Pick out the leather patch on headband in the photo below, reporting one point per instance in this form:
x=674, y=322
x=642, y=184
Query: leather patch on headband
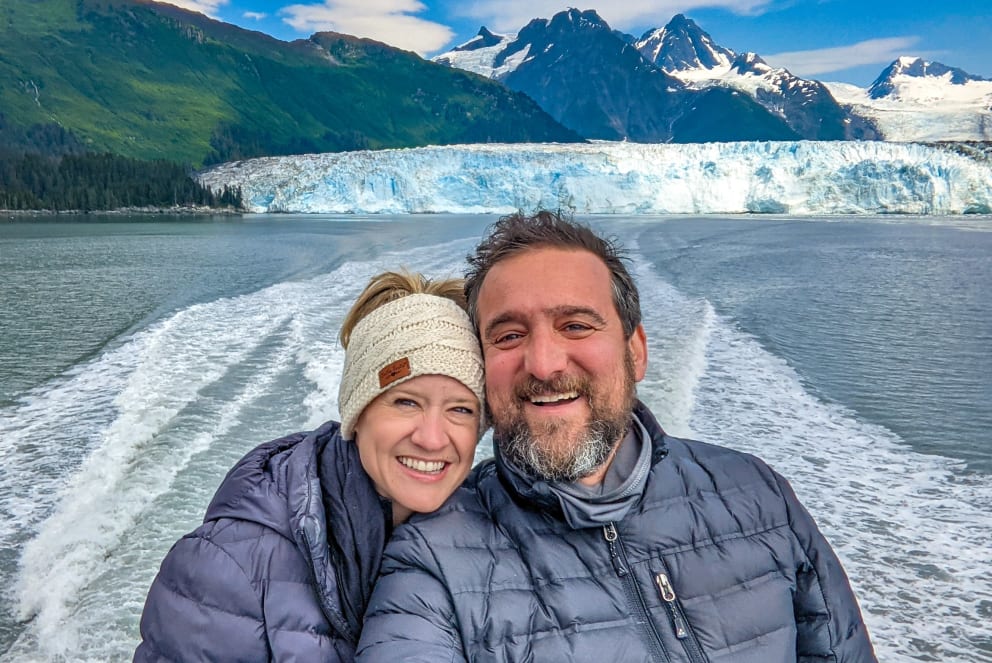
x=392, y=372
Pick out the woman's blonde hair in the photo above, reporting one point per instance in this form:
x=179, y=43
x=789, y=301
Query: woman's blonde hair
x=390, y=286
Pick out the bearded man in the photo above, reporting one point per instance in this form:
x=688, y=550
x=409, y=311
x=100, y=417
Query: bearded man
x=593, y=535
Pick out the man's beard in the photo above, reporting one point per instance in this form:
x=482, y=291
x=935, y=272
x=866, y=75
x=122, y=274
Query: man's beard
x=549, y=451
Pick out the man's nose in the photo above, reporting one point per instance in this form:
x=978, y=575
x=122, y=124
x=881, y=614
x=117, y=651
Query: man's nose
x=546, y=355
x=429, y=432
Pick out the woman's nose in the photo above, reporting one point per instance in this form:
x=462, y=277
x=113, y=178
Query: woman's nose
x=429, y=431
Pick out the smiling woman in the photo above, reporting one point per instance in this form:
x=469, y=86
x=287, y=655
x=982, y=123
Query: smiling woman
x=284, y=563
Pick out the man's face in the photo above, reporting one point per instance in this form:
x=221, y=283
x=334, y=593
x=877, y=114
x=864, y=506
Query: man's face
x=559, y=373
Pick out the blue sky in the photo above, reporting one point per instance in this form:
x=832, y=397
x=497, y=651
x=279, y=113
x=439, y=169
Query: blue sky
x=830, y=40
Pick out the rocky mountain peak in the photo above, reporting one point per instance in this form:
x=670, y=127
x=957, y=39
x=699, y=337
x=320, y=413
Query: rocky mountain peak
x=681, y=46
x=913, y=67
x=484, y=39
x=572, y=19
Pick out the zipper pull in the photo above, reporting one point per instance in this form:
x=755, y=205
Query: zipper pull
x=611, y=536
x=668, y=595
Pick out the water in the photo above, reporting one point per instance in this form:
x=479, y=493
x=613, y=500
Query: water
x=138, y=361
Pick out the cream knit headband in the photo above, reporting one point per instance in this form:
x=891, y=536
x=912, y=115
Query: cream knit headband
x=411, y=336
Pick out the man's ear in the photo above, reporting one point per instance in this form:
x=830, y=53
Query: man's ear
x=638, y=347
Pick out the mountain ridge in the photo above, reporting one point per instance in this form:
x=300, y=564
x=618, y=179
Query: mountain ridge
x=149, y=80
x=812, y=109
x=595, y=81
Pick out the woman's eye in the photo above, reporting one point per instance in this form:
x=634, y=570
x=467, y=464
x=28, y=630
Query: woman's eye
x=461, y=409
x=405, y=402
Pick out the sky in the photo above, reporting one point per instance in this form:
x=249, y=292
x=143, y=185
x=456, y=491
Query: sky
x=848, y=41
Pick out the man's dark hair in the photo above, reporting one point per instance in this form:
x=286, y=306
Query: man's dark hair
x=516, y=233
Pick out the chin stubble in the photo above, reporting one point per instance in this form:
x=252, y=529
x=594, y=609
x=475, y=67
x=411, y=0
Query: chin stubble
x=542, y=453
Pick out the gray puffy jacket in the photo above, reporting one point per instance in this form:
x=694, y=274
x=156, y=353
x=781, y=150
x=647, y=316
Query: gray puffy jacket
x=717, y=562
x=281, y=568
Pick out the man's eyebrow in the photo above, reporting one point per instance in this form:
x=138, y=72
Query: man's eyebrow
x=500, y=319
x=567, y=310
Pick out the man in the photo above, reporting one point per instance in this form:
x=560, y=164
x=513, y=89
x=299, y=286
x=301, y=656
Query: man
x=593, y=536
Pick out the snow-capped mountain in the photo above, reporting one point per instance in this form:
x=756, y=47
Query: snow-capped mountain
x=684, y=50
x=906, y=77
x=681, y=46
x=795, y=178
x=706, y=84
x=594, y=81
x=915, y=100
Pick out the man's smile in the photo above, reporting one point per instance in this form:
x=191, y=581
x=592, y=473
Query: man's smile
x=554, y=399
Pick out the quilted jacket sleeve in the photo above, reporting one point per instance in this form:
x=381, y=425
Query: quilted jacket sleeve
x=202, y=607
x=830, y=626
x=410, y=616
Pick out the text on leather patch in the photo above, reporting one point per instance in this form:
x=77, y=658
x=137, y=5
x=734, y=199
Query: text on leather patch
x=390, y=373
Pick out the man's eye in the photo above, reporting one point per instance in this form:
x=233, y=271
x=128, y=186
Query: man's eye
x=508, y=337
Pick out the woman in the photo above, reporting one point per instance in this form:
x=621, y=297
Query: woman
x=284, y=563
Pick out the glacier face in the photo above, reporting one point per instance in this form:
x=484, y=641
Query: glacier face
x=796, y=178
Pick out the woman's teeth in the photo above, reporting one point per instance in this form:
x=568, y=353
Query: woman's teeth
x=426, y=466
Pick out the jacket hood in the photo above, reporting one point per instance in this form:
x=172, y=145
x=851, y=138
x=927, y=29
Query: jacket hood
x=311, y=488
x=257, y=488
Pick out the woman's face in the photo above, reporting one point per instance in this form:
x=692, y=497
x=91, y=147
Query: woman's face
x=417, y=442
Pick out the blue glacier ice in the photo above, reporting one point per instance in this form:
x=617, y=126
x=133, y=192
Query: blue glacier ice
x=795, y=178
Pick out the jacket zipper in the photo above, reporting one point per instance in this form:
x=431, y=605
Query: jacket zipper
x=682, y=630
x=619, y=558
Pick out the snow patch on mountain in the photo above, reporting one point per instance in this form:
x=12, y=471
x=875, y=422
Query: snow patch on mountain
x=746, y=72
x=479, y=54
x=924, y=109
x=796, y=178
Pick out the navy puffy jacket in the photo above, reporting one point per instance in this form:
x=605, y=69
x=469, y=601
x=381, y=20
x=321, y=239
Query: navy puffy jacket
x=282, y=566
x=717, y=562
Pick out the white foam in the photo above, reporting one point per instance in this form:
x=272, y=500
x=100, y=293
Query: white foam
x=155, y=420
x=913, y=532
x=168, y=398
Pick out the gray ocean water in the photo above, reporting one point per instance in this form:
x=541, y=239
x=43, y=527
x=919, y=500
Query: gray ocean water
x=140, y=358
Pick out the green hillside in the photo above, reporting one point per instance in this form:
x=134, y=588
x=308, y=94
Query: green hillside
x=152, y=81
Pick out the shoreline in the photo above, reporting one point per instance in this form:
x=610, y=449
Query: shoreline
x=178, y=210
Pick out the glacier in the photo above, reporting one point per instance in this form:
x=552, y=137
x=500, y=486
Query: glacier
x=795, y=178
x=924, y=108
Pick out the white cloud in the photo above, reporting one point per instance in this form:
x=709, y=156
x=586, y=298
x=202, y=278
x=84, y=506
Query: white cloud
x=826, y=60
x=255, y=16
x=389, y=21
x=208, y=7
x=511, y=15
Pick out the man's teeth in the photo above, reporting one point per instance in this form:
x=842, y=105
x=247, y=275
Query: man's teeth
x=428, y=466
x=554, y=398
